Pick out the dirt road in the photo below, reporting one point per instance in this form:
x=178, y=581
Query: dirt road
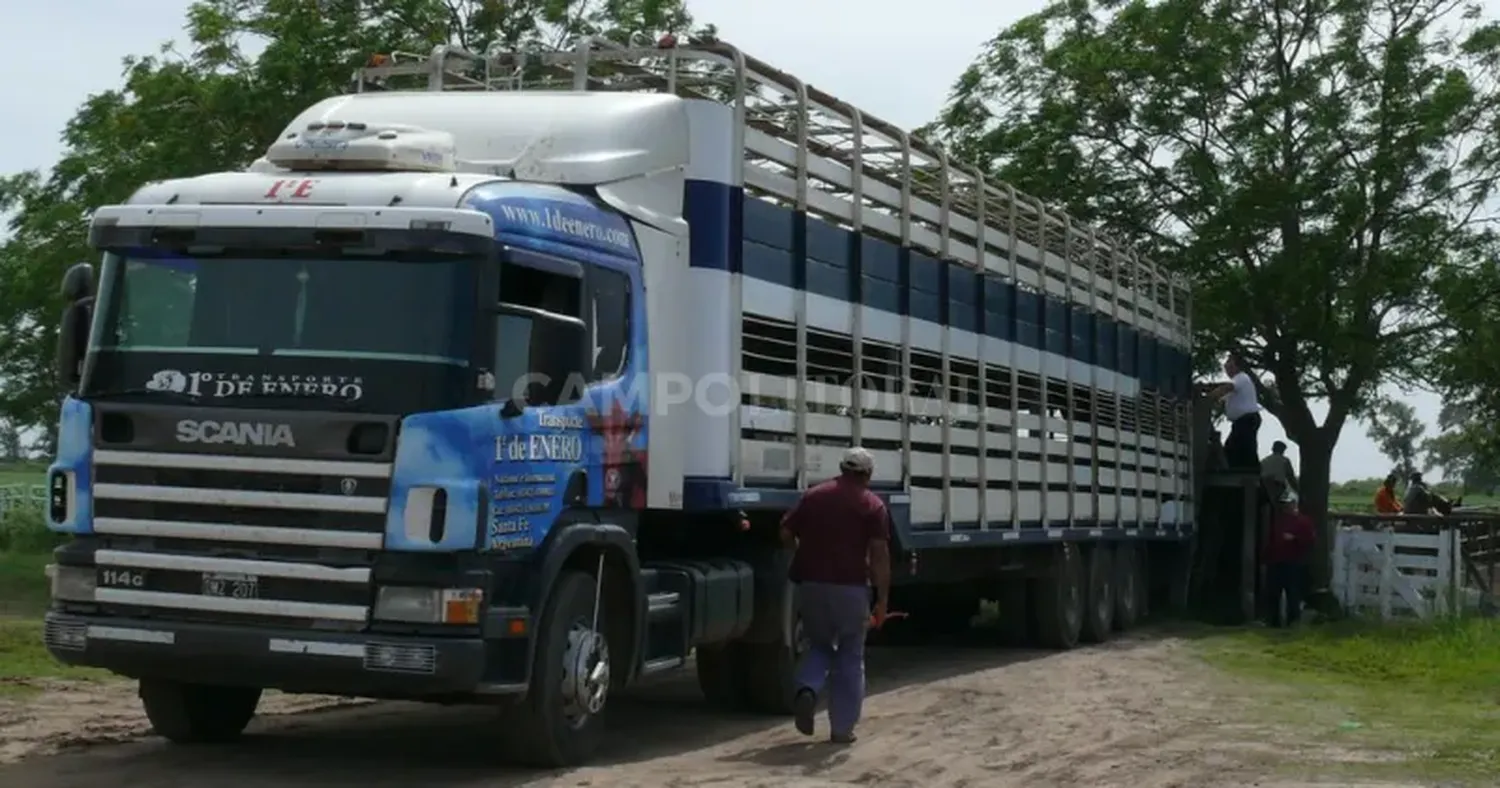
x=1140, y=712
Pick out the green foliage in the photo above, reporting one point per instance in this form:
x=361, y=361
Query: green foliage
x=23, y=583
x=249, y=66
x=1395, y=428
x=23, y=529
x=1320, y=168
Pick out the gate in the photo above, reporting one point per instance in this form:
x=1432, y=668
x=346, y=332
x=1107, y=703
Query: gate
x=1398, y=575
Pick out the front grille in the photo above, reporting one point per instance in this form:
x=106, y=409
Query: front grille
x=197, y=536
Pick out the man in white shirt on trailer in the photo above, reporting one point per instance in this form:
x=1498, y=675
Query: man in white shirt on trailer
x=1242, y=408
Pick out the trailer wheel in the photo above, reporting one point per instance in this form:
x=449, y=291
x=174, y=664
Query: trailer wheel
x=722, y=676
x=195, y=713
x=1099, y=605
x=1057, y=600
x=1128, y=591
x=561, y=720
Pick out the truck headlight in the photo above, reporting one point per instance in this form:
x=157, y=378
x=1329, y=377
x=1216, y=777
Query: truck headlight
x=72, y=583
x=428, y=605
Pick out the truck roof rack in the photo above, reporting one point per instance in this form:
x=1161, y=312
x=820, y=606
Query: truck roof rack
x=806, y=148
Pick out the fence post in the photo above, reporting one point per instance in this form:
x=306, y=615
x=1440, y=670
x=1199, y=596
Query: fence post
x=1339, y=567
x=1387, y=552
x=1443, y=588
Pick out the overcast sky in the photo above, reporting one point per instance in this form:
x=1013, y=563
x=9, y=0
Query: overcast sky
x=898, y=66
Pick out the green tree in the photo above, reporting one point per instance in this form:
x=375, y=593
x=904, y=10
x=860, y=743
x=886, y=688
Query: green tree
x=250, y=65
x=1464, y=449
x=1320, y=168
x=1395, y=428
x=1468, y=374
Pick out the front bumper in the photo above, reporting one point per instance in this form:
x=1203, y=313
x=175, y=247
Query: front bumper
x=353, y=664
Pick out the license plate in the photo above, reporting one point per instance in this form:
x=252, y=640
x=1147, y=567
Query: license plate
x=231, y=585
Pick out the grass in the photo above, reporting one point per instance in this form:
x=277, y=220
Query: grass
x=23, y=598
x=25, y=551
x=1426, y=695
x=22, y=473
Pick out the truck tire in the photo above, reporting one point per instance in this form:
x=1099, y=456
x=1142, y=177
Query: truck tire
x=560, y=722
x=770, y=669
x=1127, y=588
x=722, y=676
x=1057, y=600
x=197, y=714
x=1099, y=598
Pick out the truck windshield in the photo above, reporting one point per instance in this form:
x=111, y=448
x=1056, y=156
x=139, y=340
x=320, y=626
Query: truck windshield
x=310, y=308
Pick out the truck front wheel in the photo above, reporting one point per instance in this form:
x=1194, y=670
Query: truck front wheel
x=197, y=714
x=561, y=720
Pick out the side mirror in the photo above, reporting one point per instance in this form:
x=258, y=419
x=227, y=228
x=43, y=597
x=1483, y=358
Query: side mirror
x=78, y=283
x=540, y=356
x=72, y=341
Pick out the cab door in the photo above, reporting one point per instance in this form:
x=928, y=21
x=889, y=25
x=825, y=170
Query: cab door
x=570, y=423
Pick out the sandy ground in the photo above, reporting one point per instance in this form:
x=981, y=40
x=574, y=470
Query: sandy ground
x=1140, y=712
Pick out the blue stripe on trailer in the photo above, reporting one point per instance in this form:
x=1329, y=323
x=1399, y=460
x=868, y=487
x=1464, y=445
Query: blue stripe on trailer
x=746, y=235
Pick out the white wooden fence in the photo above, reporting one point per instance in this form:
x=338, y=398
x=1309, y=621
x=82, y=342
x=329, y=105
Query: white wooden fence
x=1399, y=575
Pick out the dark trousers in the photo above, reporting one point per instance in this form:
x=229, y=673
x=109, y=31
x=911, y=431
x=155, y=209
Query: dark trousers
x=834, y=620
x=1286, y=579
x=1240, y=450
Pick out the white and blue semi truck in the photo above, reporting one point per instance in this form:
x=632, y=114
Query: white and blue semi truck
x=495, y=390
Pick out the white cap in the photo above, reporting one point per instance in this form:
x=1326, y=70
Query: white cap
x=857, y=460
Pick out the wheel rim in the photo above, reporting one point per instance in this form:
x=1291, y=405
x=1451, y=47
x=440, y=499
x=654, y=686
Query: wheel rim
x=585, y=684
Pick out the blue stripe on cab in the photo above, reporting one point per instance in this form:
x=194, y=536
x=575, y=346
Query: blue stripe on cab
x=739, y=234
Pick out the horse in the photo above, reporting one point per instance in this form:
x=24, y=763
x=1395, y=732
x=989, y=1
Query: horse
x=1443, y=507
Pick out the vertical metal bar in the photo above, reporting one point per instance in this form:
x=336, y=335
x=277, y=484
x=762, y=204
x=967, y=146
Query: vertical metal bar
x=581, y=64
x=857, y=335
x=1190, y=515
x=906, y=399
x=437, y=64
x=945, y=209
x=981, y=342
x=1095, y=260
x=736, y=287
x=1069, y=414
x=1013, y=230
x=799, y=449
x=1135, y=299
x=1172, y=404
x=1117, y=400
x=1043, y=388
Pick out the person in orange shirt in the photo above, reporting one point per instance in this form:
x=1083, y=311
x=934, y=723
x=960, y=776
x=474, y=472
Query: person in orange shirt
x=1385, y=497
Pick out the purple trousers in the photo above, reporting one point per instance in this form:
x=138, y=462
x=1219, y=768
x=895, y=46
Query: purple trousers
x=834, y=619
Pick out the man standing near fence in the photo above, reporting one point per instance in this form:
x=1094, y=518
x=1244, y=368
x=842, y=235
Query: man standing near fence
x=1288, y=547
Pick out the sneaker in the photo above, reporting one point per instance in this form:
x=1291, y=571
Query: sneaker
x=805, y=708
x=843, y=738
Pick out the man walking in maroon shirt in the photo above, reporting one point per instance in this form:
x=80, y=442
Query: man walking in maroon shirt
x=841, y=532
x=1288, y=546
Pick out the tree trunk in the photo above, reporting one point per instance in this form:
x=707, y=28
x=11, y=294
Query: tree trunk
x=1317, y=465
